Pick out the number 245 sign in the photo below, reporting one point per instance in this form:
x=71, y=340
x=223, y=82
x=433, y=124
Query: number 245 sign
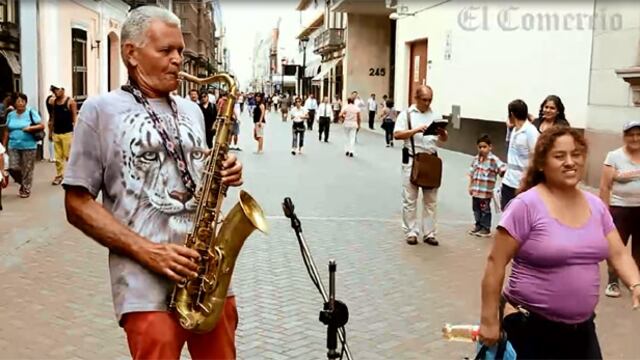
x=376, y=72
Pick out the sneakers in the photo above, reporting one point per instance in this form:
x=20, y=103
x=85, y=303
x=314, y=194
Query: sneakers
x=483, y=233
x=474, y=230
x=412, y=240
x=612, y=290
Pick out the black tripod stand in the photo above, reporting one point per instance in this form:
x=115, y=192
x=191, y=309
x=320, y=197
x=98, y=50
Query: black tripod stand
x=335, y=313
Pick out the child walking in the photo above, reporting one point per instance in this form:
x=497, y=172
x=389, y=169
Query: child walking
x=483, y=175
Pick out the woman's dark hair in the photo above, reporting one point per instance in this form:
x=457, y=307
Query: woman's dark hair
x=519, y=109
x=349, y=100
x=297, y=99
x=389, y=103
x=546, y=140
x=484, y=138
x=21, y=96
x=559, y=106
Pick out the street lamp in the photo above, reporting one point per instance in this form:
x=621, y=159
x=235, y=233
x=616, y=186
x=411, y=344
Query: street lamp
x=303, y=44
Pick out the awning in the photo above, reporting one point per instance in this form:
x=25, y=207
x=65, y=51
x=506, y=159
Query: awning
x=13, y=58
x=326, y=67
x=289, y=80
x=312, y=69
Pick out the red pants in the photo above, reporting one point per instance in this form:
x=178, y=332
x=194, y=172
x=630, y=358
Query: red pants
x=158, y=335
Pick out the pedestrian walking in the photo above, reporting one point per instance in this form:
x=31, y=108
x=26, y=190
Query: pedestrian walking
x=148, y=189
x=235, y=128
x=554, y=235
x=311, y=105
x=324, y=119
x=259, y=121
x=350, y=117
x=388, y=116
x=620, y=190
x=410, y=127
x=210, y=113
x=284, y=107
x=61, y=124
x=22, y=125
x=336, y=106
x=551, y=113
x=275, y=100
x=372, y=105
x=522, y=143
x=298, y=116
x=483, y=175
x=240, y=102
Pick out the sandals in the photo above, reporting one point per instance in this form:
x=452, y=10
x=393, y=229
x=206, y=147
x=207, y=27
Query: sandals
x=57, y=180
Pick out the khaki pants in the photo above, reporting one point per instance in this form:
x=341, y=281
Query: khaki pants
x=61, y=149
x=410, y=225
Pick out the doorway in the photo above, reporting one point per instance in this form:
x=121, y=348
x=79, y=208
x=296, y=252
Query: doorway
x=417, y=66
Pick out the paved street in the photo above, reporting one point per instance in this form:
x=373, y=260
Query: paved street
x=56, y=300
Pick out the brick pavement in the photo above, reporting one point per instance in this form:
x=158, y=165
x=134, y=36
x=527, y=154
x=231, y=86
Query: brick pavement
x=56, y=300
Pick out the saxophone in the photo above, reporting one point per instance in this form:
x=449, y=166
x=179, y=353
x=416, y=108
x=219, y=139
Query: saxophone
x=199, y=302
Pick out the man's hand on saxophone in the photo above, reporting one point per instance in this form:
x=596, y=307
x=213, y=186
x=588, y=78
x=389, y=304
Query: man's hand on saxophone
x=148, y=190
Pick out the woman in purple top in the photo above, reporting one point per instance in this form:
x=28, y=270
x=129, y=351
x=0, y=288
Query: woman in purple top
x=556, y=235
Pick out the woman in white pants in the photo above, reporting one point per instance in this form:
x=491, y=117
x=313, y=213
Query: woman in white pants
x=350, y=117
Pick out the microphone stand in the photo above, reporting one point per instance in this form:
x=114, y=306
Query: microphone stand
x=335, y=313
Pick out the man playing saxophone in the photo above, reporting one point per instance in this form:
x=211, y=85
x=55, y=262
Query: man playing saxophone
x=144, y=150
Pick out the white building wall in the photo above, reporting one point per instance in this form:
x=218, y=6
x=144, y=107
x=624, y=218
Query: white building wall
x=610, y=97
x=29, y=54
x=490, y=66
x=113, y=14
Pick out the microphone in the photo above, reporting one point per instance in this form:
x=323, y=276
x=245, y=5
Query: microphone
x=288, y=207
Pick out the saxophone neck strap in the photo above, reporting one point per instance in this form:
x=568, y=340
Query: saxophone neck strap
x=172, y=144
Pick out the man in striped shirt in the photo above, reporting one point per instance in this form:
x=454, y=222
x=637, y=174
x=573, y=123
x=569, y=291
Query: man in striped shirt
x=483, y=175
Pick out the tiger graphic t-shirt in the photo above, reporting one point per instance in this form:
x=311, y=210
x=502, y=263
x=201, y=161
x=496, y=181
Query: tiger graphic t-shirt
x=117, y=152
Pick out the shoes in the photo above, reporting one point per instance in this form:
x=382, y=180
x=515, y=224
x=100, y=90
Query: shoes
x=483, y=233
x=299, y=150
x=293, y=152
x=391, y=144
x=412, y=240
x=350, y=154
x=326, y=141
x=431, y=241
x=612, y=290
x=474, y=230
x=57, y=180
x=24, y=193
x=388, y=145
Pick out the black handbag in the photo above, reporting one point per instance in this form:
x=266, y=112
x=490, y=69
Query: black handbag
x=38, y=135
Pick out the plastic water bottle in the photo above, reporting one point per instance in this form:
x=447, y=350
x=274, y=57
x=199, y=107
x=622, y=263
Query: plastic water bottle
x=465, y=333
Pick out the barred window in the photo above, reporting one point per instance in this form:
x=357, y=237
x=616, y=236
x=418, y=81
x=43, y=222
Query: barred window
x=79, y=63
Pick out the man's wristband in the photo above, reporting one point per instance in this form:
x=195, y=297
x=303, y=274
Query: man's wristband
x=634, y=286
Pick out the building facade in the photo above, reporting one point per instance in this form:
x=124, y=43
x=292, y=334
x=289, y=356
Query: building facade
x=10, y=68
x=354, y=41
x=478, y=58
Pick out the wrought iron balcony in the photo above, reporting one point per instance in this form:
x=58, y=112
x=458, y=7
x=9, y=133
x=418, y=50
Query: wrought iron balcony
x=329, y=40
x=9, y=32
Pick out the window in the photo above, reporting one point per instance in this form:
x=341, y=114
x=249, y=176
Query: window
x=79, y=63
x=8, y=10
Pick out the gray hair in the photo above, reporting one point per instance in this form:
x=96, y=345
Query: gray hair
x=138, y=21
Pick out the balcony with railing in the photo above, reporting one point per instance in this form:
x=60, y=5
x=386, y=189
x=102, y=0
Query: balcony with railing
x=328, y=41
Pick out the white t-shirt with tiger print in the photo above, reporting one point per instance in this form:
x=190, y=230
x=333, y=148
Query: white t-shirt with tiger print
x=116, y=151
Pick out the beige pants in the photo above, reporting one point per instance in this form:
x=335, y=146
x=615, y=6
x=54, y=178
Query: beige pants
x=410, y=194
x=61, y=149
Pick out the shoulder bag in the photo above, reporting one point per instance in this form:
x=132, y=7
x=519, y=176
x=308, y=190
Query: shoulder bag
x=38, y=135
x=426, y=170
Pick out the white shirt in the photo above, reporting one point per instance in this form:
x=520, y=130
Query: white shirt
x=212, y=98
x=297, y=114
x=359, y=103
x=521, y=146
x=324, y=110
x=311, y=104
x=373, y=106
x=236, y=111
x=423, y=143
